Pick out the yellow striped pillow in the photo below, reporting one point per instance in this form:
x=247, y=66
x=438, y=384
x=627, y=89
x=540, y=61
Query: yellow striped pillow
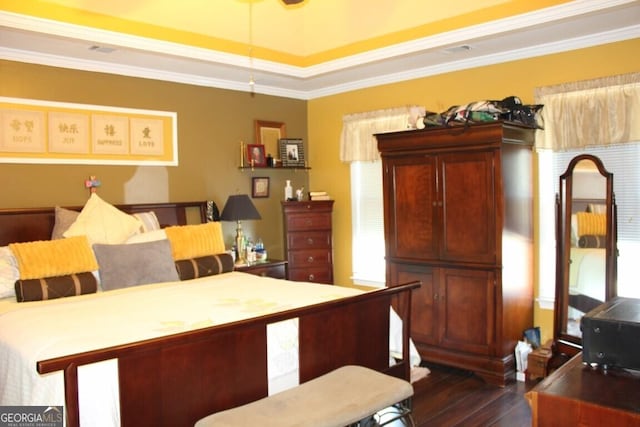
x=50, y=258
x=193, y=241
x=591, y=224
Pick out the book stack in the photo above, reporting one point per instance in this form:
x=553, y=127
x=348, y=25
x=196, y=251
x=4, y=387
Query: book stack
x=319, y=195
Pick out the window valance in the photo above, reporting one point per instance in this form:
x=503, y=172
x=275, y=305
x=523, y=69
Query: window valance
x=590, y=113
x=357, y=142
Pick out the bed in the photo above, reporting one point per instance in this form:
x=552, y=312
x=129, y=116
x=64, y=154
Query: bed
x=172, y=352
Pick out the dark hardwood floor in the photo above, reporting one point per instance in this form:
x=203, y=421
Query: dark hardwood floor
x=451, y=397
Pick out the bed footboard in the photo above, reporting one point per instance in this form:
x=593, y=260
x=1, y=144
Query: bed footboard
x=178, y=379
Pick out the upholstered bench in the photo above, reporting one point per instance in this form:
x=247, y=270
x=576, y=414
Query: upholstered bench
x=350, y=395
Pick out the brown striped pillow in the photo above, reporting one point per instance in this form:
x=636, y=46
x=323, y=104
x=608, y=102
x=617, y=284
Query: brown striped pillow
x=204, y=266
x=56, y=287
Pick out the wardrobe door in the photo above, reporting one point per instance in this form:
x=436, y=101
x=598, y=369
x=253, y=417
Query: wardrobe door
x=411, y=208
x=467, y=310
x=469, y=213
x=424, y=307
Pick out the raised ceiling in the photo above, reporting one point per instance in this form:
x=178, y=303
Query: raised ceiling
x=313, y=49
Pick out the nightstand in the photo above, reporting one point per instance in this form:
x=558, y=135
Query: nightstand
x=271, y=268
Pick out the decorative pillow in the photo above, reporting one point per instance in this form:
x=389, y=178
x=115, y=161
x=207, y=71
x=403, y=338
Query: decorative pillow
x=149, y=221
x=103, y=223
x=51, y=258
x=592, y=241
x=194, y=241
x=591, y=223
x=204, y=266
x=150, y=236
x=64, y=219
x=55, y=287
x=9, y=272
x=127, y=265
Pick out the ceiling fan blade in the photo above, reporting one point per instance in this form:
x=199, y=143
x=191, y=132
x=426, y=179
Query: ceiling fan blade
x=290, y=2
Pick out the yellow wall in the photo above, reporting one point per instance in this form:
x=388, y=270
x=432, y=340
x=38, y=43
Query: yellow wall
x=437, y=93
x=211, y=124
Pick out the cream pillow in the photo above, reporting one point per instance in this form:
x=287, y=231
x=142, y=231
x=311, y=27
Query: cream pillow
x=103, y=223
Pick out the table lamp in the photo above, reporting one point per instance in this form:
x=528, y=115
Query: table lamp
x=239, y=207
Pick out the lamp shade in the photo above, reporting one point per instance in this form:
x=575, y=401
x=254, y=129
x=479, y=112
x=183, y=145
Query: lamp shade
x=238, y=208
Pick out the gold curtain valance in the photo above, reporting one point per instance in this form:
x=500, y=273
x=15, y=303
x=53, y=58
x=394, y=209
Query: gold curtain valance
x=357, y=141
x=590, y=113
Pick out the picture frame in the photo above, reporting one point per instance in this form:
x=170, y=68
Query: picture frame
x=268, y=133
x=256, y=155
x=260, y=187
x=291, y=152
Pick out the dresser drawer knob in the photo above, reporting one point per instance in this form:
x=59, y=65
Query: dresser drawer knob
x=310, y=241
x=310, y=259
x=311, y=277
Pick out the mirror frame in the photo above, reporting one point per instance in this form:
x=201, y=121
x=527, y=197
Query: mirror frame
x=564, y=343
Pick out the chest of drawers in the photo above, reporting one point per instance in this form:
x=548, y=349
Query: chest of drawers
x=308, y=240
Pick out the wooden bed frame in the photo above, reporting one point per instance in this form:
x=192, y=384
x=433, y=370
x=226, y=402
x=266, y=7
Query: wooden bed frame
x=178, y=379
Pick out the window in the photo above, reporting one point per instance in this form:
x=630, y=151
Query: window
x=598, y=117
x=367, y=223
x=358, y=146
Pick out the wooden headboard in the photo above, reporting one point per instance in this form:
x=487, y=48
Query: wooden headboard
x=31, y=224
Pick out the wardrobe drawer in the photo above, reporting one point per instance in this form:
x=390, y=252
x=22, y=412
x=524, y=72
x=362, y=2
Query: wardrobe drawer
x=309, y=240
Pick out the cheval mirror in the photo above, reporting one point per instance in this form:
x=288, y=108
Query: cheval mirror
x=586, y=261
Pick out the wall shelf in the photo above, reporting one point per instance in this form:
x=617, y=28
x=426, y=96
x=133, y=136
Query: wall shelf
x=276, y=168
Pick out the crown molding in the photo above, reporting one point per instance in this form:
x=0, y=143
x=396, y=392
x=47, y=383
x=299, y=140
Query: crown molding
x=464, y=64
x=302, y=74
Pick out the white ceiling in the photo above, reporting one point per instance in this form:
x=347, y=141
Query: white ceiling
x=573, y=25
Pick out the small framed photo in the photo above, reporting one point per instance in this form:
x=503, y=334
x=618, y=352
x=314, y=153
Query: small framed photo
x=291, y=152
x=259, y=187
x=256, y=156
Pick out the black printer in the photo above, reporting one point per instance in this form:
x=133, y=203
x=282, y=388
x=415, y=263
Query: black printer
x=611, y=334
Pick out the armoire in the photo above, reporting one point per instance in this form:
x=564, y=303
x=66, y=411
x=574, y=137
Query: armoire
x=458, y=216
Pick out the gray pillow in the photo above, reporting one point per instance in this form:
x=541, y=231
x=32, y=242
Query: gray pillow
x=127, y=265
x=64, y=219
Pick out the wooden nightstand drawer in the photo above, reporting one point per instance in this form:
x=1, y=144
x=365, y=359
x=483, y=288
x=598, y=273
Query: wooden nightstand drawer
x=273, y=268
x=309, y=240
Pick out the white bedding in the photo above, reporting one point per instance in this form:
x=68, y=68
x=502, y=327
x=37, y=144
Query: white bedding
x=30, y=332
x=587, y=276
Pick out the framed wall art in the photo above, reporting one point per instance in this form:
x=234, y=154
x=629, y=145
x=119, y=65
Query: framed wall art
x=268, y=134
x=39, y=131
x=291, y=152
x=259, y=187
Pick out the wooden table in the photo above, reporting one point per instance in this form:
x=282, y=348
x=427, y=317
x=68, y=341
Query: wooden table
x=578, y=394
